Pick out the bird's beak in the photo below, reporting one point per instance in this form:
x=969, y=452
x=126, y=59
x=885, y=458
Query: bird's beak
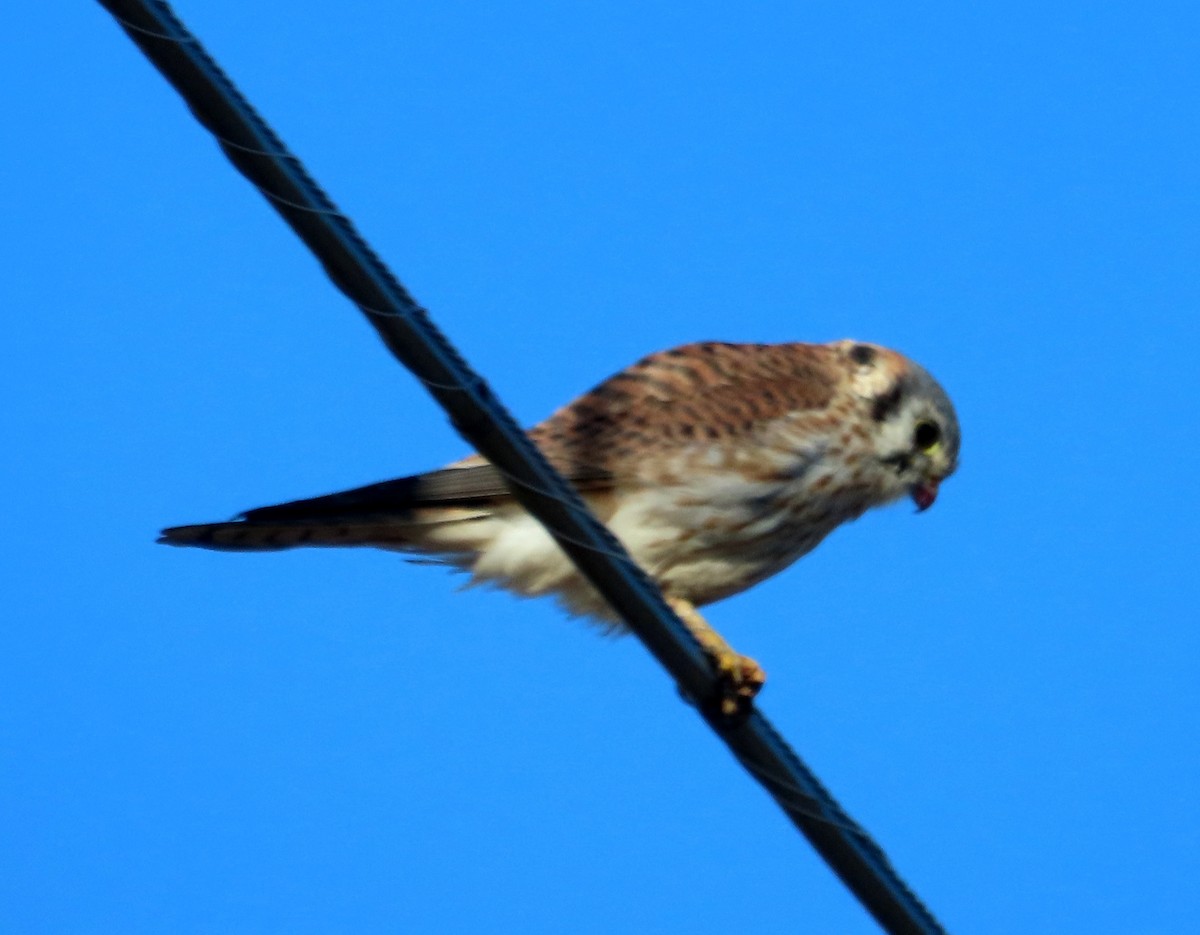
x=924, y=494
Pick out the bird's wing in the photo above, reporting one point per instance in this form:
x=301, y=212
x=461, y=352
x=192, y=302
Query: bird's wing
x=412, y=513
x=699, y=393
x=695, y=393
x=475, y=485
x=689, y=397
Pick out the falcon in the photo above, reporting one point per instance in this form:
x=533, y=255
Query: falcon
x=717, y=465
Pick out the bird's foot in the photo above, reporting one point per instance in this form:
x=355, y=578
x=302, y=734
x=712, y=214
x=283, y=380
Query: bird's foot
x=738, y=678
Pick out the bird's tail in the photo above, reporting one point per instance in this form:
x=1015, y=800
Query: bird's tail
x=390, y=515
x=261, y=536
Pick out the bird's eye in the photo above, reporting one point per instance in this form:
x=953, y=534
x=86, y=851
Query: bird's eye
x=926, y=435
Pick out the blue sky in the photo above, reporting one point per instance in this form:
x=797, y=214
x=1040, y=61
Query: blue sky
x=1003, y=689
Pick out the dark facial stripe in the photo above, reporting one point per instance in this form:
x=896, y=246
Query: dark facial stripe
x=862, y=354
x=888, y=404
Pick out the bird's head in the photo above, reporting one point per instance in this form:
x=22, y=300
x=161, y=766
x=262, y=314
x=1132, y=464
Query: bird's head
x=912, y=422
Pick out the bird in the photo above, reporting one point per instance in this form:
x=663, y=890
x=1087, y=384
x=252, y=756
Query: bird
x=716, y=465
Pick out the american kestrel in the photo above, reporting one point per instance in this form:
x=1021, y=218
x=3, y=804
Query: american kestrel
x=716, y=465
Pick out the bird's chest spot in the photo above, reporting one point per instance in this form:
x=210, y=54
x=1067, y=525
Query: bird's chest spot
x=776, y=497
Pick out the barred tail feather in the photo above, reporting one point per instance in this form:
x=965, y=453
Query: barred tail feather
x=438, y=530
x=273, y=537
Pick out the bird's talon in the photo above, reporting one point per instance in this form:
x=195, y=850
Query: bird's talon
x=739, y=680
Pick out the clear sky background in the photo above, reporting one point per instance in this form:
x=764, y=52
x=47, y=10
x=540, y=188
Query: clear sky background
x=1003, y=690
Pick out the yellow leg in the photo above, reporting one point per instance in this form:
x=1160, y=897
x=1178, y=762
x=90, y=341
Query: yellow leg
x=739, y=678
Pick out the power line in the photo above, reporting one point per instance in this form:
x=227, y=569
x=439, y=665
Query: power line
x=478, y=415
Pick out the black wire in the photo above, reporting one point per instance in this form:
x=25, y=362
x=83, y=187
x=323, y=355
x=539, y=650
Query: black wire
x=475, y=411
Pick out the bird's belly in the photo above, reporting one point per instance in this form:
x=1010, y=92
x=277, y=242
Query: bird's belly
x=705, y=548
x=699, y=544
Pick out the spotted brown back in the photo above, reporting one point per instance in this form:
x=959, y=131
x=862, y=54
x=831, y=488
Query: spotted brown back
x=711, y=392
